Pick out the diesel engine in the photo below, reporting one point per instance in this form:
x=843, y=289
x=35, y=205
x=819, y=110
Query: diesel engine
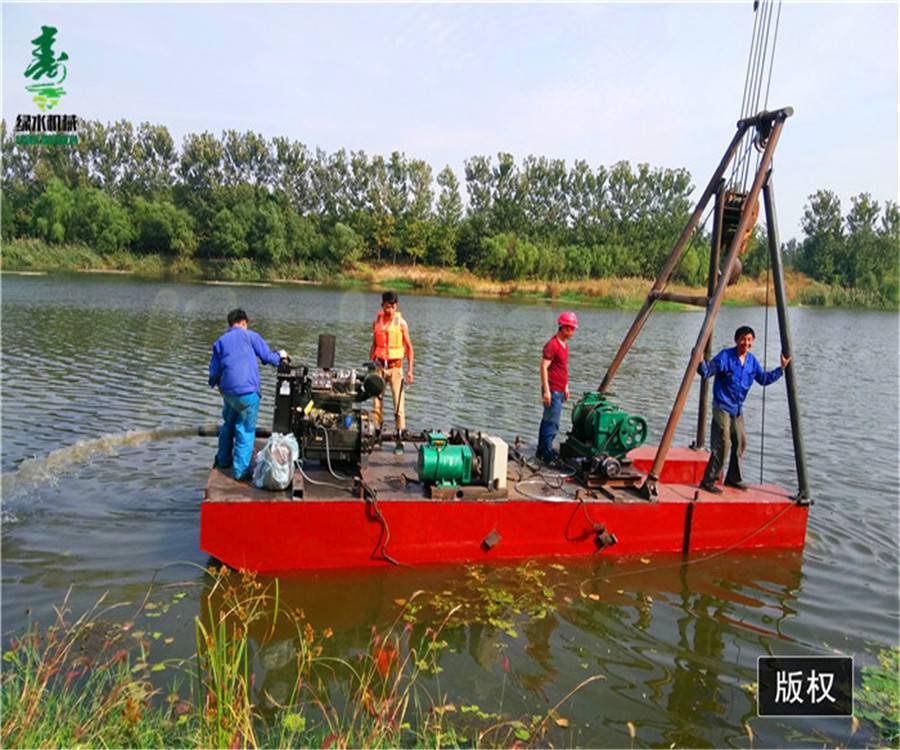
x=320, y=406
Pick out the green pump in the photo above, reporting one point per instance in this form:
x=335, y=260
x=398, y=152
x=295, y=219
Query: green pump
x=442, y=464
x=601, y=428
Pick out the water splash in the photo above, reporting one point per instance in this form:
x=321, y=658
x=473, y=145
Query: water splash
x=48, y=468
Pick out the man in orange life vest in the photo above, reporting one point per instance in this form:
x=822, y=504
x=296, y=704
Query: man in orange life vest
x=390, y=341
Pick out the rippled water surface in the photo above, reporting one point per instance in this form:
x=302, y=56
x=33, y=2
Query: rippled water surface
x=87, y=359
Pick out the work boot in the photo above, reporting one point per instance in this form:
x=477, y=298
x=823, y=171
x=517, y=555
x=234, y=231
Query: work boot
x=736, y=485
x=398, y=449
x=550, y=458
x=710, y=487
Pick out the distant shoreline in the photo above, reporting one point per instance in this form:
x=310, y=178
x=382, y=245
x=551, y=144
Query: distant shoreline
x=31, y=257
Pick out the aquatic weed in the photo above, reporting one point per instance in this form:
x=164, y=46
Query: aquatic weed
x=879, y=699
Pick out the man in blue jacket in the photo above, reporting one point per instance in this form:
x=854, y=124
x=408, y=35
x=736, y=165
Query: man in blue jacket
x=233, y=369
x=735, y=370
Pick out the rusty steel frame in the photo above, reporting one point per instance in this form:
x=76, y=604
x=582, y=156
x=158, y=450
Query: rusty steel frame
x=778, y=118
x=665, y=273
x=684, y=299
x=715, y=252
x=784, y=327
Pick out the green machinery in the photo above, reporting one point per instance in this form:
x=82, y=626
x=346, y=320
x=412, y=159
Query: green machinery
x=443, y=464
x=601, y=435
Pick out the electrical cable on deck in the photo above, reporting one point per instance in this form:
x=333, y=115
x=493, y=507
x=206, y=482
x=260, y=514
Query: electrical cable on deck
x=328, y=458
x=307, y=478
x=538, y=473
x=540, y=498
x=594, y=524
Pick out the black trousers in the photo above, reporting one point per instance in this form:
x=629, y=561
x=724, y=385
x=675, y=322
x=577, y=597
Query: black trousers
x=727, y=438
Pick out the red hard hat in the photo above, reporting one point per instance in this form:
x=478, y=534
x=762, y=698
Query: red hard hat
x=568, y=319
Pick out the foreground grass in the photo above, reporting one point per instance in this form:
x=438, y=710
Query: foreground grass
x=618, y=293
x=87, y=682
x=82, y=684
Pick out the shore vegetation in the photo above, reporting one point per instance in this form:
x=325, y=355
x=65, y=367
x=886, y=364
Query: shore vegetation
x=99, y=681
x=36, y=256
x=245, y=207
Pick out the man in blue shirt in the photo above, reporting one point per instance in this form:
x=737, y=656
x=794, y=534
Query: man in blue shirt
x=735, y=370
x=233, y=369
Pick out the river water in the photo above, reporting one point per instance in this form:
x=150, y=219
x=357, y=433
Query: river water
x=97, y=361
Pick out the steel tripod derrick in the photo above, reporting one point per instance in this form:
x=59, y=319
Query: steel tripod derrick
x=768, y=126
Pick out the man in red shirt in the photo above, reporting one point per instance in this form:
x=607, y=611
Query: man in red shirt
x=555, y=384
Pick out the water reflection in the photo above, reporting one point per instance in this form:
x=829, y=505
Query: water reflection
x=664, y=634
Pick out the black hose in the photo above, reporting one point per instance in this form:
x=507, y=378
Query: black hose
x=212, y=430
x=372, y=497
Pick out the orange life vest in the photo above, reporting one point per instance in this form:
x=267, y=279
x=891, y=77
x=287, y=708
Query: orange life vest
x=389, y=338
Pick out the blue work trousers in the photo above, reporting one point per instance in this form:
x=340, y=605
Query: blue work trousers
x=550, y=425
x=237, y=433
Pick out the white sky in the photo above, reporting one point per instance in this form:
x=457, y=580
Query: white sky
x=658, y=83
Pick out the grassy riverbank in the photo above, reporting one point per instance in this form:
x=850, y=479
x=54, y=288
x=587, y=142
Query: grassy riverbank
x=629, y=292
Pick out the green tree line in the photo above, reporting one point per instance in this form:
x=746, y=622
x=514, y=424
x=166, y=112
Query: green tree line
x=276, y=202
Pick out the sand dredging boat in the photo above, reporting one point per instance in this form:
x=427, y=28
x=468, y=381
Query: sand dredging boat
x=470, y=496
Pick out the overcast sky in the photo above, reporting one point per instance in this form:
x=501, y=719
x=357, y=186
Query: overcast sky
x=657, y=83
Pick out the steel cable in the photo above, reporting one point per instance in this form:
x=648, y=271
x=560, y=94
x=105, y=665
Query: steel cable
x=772, y=58
x=762, y=68
x=753, y=98
x=744, y=100
x=758, y=70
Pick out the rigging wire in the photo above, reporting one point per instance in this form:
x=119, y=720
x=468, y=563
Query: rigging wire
x=744, y=99
x=757, y=71
x=772, y=57
x=757, y=54
x=765, y=102
x=760, y=65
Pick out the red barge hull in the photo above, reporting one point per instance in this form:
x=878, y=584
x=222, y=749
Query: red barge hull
x=277, y=532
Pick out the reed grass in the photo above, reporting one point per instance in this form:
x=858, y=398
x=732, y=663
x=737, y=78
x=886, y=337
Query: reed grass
x=619, y=292
x=88, y=682
x=84, y=683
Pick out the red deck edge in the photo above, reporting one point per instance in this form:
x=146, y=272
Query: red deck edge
x=278, y=536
